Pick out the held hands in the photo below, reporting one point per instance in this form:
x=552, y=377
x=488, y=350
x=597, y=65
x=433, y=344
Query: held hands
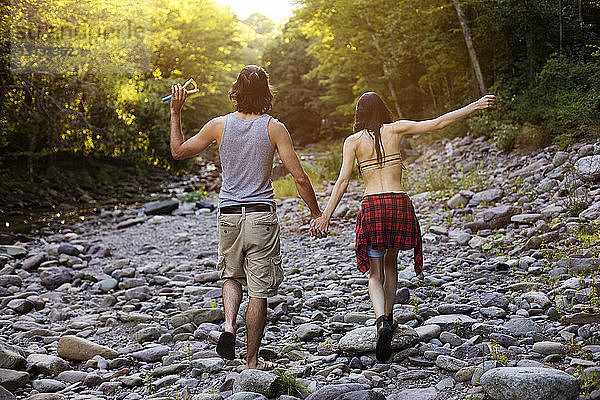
x=319, y=227
x=485, y=102
x=179, y=94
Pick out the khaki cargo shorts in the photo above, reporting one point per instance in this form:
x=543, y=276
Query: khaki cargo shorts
x=249, y=251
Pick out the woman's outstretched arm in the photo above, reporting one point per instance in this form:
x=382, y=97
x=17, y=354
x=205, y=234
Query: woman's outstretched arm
x=320, y=225
x=408, y=127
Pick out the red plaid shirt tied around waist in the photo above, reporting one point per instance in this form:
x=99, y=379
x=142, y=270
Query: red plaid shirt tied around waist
x=387, y=221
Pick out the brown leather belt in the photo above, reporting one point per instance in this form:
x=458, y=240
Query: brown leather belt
x=253, y=207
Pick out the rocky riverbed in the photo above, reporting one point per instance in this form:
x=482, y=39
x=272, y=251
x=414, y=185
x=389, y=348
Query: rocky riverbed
x=127, y=304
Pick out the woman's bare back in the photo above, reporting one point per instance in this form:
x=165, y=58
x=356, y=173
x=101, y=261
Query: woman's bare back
x=379, y=178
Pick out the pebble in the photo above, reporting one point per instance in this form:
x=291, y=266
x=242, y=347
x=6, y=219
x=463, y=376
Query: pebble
x=548, y=348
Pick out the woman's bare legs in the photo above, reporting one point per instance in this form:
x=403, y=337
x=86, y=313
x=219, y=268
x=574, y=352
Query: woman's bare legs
x=376, y=289
x=378, y=294
x=390, y=281
x=383, y=282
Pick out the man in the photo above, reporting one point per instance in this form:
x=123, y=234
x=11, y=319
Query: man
x=249, y=250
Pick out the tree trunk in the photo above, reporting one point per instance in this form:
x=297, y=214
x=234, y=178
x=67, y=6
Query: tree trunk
x=32, y=146
x=388, y=81
x=530, y=61
x=560, y=27
x=470, y=48
x=581, y=32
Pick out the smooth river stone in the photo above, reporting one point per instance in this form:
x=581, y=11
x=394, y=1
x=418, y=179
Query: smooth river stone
x=75, y=348
x=449, y=321
x=548, y=348
x=362, y=340
x=198, y=316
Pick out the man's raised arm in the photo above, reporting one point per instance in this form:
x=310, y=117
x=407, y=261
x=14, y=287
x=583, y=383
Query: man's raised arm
x=181, y=149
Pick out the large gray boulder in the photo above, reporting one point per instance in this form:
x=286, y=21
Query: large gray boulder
x=12, y=380
x=6, y=395
x=198, y=316
x=11, y=357
x=451, y=322
x=161, y=207
x=588, y=168
x=538, y=298
x=488, y=196
x=362, y=340
x=15, y=251
x=450, y=363
x=592, y=212
x=308, y=331
x=152, y=354
x=247, y=396
x=256, y=381
x=520, y=326
x=497, y=217
x=48, y=364
x=361, y=395
x=332, y=392
x=416, y=394
x=54, y=277
x=529, y=383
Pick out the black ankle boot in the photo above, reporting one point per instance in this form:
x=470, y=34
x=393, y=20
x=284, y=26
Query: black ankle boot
x=383, y=348
x=392, y=321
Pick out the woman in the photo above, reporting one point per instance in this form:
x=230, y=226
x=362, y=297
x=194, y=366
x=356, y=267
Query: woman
x=386, y=222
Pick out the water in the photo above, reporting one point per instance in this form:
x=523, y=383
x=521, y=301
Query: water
x=28, y=221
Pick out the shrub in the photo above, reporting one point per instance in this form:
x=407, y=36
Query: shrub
x=532, y=137
x=194, y=196
x=288, y=384
x=563, y=141
x=505, y=136
x=482, y=125
x=284, y=187
x=565, y=99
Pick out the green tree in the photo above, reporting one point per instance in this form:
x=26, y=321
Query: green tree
x=289, y=67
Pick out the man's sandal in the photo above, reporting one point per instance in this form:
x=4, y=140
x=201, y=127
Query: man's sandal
x=383, y=348
x=265, y=365
x=226, y=346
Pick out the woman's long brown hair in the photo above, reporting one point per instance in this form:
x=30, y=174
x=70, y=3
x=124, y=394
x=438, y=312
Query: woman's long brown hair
x=371, y=114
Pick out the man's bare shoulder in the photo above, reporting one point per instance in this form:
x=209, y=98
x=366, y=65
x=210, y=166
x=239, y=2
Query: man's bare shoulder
x=277, y=132
x=276, y=124
x=218, y=121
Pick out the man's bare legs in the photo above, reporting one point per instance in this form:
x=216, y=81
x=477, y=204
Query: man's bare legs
x=232, y=298
x=255, y=325
x=256, y=316
x=376, y=291
x=390, y=279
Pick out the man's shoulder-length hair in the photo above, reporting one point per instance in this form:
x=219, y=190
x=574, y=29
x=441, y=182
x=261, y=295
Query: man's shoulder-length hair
x=251, y=91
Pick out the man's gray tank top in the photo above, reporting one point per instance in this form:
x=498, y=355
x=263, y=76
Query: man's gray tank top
x=246, y=154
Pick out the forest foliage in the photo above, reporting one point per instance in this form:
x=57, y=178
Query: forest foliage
x=87, y=77
x=416, y=49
